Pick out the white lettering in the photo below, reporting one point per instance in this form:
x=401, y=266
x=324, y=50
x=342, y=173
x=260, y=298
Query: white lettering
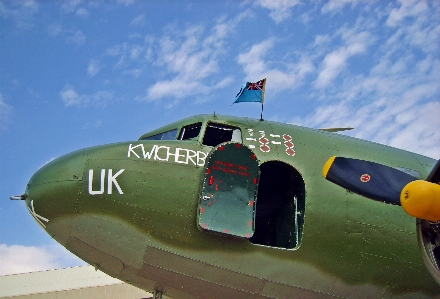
x=131, y=149
x=148, y=154
x=165, y=153
x=156, y=153
x=101, y=190
x=112, y=181
x=201, y=156
x=171, y=154
x=190, y=157
x=176, y=157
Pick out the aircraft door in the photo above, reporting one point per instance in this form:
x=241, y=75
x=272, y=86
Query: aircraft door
x=228, y=197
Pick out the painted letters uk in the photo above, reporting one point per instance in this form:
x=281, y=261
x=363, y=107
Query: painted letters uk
x=111, y=181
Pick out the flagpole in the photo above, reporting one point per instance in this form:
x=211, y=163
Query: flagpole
x=262, y=98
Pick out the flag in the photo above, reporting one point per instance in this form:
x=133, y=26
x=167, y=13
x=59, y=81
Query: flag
x=251, y=92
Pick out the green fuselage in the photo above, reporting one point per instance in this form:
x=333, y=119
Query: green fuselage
x=133, y=209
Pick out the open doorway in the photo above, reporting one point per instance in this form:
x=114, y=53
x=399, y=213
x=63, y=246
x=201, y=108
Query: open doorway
x=280, y=206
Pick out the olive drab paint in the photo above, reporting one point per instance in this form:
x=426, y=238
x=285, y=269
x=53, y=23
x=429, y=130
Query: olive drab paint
x=188, y=216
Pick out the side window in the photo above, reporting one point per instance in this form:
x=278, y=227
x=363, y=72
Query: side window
x=219, y=133
x=168, y=135
x=190, y=131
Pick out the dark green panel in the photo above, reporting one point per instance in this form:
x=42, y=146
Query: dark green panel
x=227, y=203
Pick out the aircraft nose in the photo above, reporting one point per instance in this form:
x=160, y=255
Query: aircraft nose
x=51, y=191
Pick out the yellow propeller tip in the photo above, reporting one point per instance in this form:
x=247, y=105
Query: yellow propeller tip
x=327, y=166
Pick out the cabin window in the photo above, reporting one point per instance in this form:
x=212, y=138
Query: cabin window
x=190, y=131
x=219, y=133
x=168, y=135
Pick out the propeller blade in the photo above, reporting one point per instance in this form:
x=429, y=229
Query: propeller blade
x=420, y=199
x=369, y=179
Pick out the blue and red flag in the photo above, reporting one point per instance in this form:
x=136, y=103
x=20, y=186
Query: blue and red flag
x=251, y=92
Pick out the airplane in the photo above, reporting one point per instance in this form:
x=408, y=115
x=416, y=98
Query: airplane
x=216, y=206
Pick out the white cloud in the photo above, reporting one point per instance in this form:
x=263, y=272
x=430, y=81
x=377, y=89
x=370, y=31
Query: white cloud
x=93, y=68
x=190, y=56
x=5, y=113
x=138, y=21
x=20, y=259
x=55, y=29
x=21, y=12
x=187, y=58
x=414, y=26
x=392, y=107
x=194, y=57
x=322, y=40
x=70, y=5
x=76, y=37
x=252, y=61
x=125, y=2
x=134, y=72
x=82, y=12
x=174, y=88
x=408, y=9
x=336, y=5
x=129, y=54
x=136, y=51
x=224, y=82
x=280, y=9
x=71, y=98
x=69, y=36
x=332, y=65
x=417, y=125
x=256, y=67
x=73, y=6
x=410, y=127
x=334, y=62
x=393, y=99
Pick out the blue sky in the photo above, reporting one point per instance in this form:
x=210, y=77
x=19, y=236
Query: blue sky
x=75, y=74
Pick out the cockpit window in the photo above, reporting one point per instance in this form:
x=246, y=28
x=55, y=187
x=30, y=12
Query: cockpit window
x=190, y=131
x=219, y=133
x=168, y=135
